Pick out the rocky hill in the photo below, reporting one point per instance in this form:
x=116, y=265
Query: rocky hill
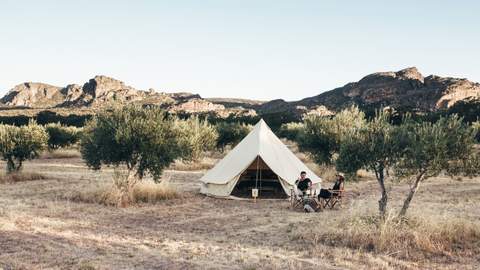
x=101, y=91
x=406, y=88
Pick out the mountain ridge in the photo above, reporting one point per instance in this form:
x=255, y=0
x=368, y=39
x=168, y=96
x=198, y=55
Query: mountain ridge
x=406, y=88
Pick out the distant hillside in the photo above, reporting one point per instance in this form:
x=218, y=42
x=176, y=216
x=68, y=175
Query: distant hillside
x=101, y=91
x=406, y=89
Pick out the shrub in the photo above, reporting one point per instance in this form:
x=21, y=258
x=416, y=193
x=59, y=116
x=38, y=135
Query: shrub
x=290, y=131
x=18, y=144
x=113, y=195
x=231, y=133
x=61, y=136
x=322, y=136
x=476, y=128
x=195, y=137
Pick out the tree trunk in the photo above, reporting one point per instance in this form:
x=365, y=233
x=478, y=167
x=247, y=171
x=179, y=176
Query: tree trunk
x=413, y=190
x=382, y=203
x=12, y=167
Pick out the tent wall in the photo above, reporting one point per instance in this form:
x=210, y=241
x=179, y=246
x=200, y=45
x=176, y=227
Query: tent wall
x=219, y=190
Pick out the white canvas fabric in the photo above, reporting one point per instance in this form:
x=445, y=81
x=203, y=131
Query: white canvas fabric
x=262, y=142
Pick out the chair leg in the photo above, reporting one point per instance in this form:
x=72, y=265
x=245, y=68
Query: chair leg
x=333, y=203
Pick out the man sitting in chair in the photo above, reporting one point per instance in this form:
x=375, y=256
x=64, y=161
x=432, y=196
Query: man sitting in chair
x=303, y=184
x=328, y=193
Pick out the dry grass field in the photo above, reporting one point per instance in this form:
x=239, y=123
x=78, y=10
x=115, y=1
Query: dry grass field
x=43, y=226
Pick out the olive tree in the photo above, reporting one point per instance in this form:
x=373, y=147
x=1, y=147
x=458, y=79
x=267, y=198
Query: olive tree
x=231, y=133
x=61, y=136
x=373, y=148
x=146, y=140
x=322, y=136
x=431, y=148
x=18, y=144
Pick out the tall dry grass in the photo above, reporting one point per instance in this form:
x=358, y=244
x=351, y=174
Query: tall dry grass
x=205, y=163
x=418, y=237
x=112, y=195
x=61, y=154
x=20, y=177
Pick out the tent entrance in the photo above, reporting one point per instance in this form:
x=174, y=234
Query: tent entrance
x=259, y=175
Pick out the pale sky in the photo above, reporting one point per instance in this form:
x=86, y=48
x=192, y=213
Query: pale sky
x=248, y=49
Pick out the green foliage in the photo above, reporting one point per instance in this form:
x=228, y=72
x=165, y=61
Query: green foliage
x=427, y=149
x=317, y=138
x=195, y=137
x=476, y=128
x=372, y=147
x=18, y=144
x=290, y=131
x=146, y=140
x=61, y=136
x=323, y=136
x=231, y=133
x=431, y=148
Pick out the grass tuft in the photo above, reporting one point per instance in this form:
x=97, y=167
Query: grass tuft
x=61, y=154
x=415, y=238
x=203, y=164
x=21, y=177
x=142, y=192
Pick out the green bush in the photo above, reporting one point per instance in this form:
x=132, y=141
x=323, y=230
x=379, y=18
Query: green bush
x=61, y=136
x=322, y=136
x=290, y=131
x=18, y=144
x=231, y=133
x=195, y=137
x=476, y=128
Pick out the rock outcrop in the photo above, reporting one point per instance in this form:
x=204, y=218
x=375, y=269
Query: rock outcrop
x=102, y=90
x=406, y=88
x=30, y=93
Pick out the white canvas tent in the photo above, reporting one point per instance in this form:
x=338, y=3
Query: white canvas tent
x=259, y=148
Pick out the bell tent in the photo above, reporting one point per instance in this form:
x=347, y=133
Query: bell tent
x=260, y=161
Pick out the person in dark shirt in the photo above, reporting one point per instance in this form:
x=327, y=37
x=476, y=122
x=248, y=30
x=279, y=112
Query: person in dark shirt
x=327, y=193
x=303, y=183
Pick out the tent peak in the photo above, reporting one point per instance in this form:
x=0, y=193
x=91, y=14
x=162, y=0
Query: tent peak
x=261, y=123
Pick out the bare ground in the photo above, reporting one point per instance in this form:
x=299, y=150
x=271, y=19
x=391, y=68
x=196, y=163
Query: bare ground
x=39, y=229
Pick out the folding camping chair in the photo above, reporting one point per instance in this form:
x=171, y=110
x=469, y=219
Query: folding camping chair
x=336, y=198
x=299, y=201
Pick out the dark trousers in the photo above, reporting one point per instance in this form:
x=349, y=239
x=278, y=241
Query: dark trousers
x=325, y=194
